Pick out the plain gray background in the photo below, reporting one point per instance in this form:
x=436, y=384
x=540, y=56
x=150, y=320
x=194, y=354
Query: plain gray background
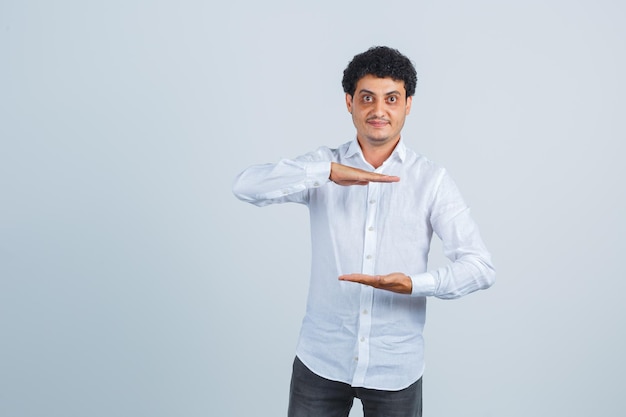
x=133, y=283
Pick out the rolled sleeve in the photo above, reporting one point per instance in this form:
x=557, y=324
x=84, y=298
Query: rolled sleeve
x=317, y=173
x=424, y=285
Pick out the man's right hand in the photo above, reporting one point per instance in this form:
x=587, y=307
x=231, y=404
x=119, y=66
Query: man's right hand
x=345, y=175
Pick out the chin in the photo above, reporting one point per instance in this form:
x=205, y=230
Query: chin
x=379, y=139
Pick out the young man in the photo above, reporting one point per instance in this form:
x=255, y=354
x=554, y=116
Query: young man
x=374, y=205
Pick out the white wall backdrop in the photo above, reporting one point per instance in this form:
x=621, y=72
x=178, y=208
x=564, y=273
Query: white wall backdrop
x=133, y=283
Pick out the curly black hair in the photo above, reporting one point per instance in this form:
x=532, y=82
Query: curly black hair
x=381, y=61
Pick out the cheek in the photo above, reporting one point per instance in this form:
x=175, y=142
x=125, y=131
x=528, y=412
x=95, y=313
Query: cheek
x=401, y=114
x=359, y=114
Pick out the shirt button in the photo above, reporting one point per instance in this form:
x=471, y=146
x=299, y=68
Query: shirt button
x=368, y=257
x=285, y=192
x=372, y=201
x=362, y=339
x=371, y=228
x=356, y=358
x=316, y=184
x=364, y=311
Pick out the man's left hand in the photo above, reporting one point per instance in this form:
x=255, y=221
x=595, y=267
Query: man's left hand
x=395, y=282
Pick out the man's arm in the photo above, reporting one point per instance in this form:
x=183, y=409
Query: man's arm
x=345, y=175
x=396, y=282
x=470, y=268
x=288, y=180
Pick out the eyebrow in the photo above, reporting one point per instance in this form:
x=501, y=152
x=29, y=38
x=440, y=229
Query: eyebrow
x=364, y=91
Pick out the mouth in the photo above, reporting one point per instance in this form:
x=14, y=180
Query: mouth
x=377, y=122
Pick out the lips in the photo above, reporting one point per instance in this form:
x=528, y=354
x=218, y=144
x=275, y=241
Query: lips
x=377, y=123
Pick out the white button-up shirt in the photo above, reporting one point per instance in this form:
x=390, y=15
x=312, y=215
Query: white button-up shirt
x=355, y=333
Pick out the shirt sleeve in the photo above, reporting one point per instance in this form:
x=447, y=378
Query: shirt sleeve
x=470, y=268
x=285, y=181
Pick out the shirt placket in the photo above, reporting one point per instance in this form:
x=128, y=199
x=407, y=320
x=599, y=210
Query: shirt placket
x=367, y=292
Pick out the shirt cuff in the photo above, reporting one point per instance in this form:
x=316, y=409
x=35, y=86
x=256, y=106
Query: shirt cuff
x=424, y=285
x=317, y=173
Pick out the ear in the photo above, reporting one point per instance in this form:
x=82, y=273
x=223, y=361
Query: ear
x=349, y=103
x=409, y=101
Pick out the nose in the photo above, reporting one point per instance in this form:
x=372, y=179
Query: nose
x=379, y=108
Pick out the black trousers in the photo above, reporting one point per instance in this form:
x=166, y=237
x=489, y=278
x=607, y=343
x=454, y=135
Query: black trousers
x=311, y=395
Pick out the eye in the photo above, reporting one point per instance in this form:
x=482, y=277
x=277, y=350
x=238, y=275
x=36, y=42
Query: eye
x=368, y=99
x=392, y=99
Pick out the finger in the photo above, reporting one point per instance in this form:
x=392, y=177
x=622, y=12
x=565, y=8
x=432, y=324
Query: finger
x=352, y=277
x=361, y=279
x=352, y=182
x=393, y=282
x=382, y=178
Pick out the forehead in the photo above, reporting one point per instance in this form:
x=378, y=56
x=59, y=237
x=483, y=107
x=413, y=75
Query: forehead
x=379, y=85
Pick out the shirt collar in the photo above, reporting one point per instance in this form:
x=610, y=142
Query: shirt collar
x=355, y=149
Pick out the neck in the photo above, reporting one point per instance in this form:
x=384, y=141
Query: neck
x=375, y=155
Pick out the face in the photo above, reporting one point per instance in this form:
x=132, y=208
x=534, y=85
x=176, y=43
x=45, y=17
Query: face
x=378, y=107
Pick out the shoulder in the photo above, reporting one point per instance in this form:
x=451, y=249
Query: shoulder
x=326, y=153
x=422, y=166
